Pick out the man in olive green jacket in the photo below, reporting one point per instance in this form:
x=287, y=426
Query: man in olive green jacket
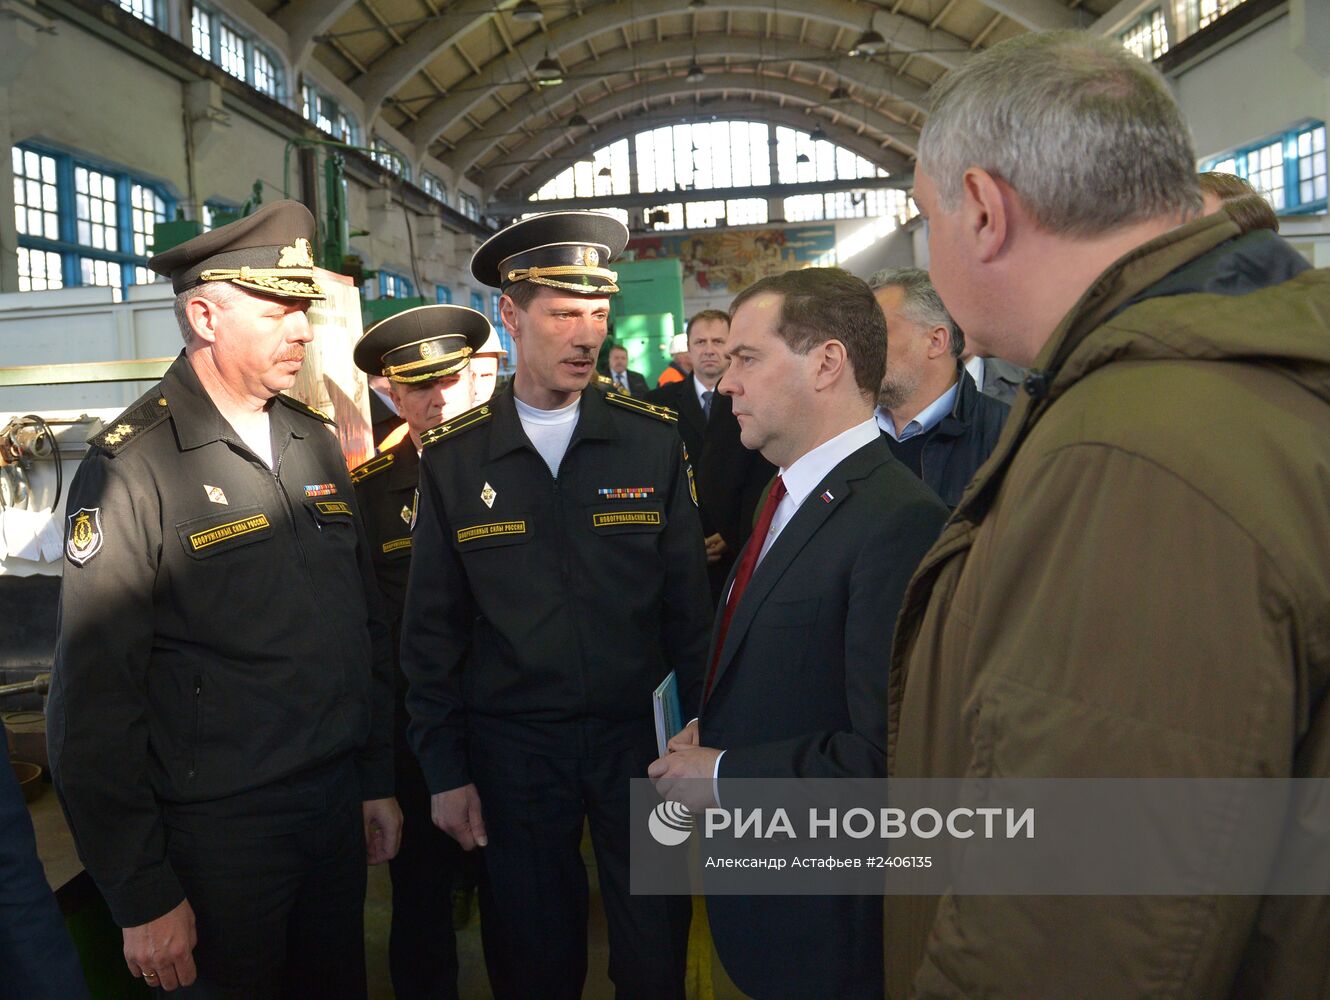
x=1137, y=583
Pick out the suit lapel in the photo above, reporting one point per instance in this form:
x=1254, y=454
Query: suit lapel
x=691, y=410
x=808, y=519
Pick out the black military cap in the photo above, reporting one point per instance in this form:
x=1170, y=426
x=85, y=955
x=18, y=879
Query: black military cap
x=420, y=344
x=564, y=250
x=268, y=251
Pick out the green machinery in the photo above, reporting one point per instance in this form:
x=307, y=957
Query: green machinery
x=648, y=311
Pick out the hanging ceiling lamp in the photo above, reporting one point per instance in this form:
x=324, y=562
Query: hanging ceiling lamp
x=548, y=72
x=528, y=12
x=870, y=43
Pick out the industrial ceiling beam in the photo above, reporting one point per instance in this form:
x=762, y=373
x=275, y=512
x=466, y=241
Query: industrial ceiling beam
x=1040, y=15
x=875, y=77
x=515, y=208
x=391, y=71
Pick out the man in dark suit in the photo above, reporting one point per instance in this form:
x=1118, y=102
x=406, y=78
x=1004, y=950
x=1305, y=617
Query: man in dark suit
x=730, y=478
x=797, y=675
x=626, y=383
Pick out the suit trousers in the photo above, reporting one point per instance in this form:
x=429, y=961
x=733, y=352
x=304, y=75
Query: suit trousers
x=422, y=945
x=276, y=879
x=533, y=890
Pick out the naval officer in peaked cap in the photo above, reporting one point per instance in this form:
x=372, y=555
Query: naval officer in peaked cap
x=558, y=575
x=426, y=354
x=220, y=721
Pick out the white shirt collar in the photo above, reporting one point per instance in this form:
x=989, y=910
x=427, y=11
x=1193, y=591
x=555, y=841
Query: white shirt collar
x=975, y=366
x=810, y=469
x=925, y=420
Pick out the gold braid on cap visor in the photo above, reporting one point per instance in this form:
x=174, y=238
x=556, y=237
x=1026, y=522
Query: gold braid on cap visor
x=395, y=373
x=546, y=275
x=297, y=281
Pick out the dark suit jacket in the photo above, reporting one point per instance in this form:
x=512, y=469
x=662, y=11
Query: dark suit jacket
x=682, y=399
x=800, y=692
x=382, y=419
x=637, y=385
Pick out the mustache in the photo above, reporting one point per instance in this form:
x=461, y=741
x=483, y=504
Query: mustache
x=294, y=353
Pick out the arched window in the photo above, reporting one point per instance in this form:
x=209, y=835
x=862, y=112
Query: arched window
x=728, y=155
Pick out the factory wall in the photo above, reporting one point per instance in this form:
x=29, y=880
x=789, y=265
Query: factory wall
x=97, y=90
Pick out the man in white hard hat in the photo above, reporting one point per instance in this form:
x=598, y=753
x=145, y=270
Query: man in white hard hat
x=681, y=365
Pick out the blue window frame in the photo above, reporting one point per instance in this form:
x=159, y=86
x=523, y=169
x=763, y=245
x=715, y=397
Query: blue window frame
x=81, y=223
x=323, y=111
x=1288, y=168
x=470, y=208
x=443, y=295
x=147, y=11
x=220, y=40
x=433, y=187
x=390, y=159
x=1147, y=37
x=394, y=286
x=478, y=302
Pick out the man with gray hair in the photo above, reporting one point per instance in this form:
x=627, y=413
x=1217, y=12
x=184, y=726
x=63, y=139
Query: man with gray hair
x=1137, y=584
x=934, y=417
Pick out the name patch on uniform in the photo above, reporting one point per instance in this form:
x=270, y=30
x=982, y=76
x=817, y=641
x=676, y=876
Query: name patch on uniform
x=320, y=489
x=233, y=529
x=625, y=492
x=625, y=517
x=85, y=535
x=491, y=530
x=333, y=507
x=396, y=544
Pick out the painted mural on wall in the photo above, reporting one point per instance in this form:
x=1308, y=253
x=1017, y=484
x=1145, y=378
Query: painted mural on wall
x=729, y=260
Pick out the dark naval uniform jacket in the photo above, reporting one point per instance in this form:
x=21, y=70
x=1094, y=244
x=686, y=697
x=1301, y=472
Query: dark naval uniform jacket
x=220, y=629
x=543, y=611
x=386, y=491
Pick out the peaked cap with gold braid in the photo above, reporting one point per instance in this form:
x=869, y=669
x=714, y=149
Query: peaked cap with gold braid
x=567, y=251
x=422, y=344
x=267, y=252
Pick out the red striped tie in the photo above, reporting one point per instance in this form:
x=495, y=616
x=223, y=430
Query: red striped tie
x=745, y=573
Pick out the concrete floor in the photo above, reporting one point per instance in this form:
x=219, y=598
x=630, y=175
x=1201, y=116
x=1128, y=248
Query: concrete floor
x=707, y=979
x=473, y=983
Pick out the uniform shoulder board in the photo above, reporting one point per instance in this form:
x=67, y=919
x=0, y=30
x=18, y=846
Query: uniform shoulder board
x=663, y=413
x=463, y=421
x=604, y=383
x=377, y=464
x=304, y=408
x=147, y=413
